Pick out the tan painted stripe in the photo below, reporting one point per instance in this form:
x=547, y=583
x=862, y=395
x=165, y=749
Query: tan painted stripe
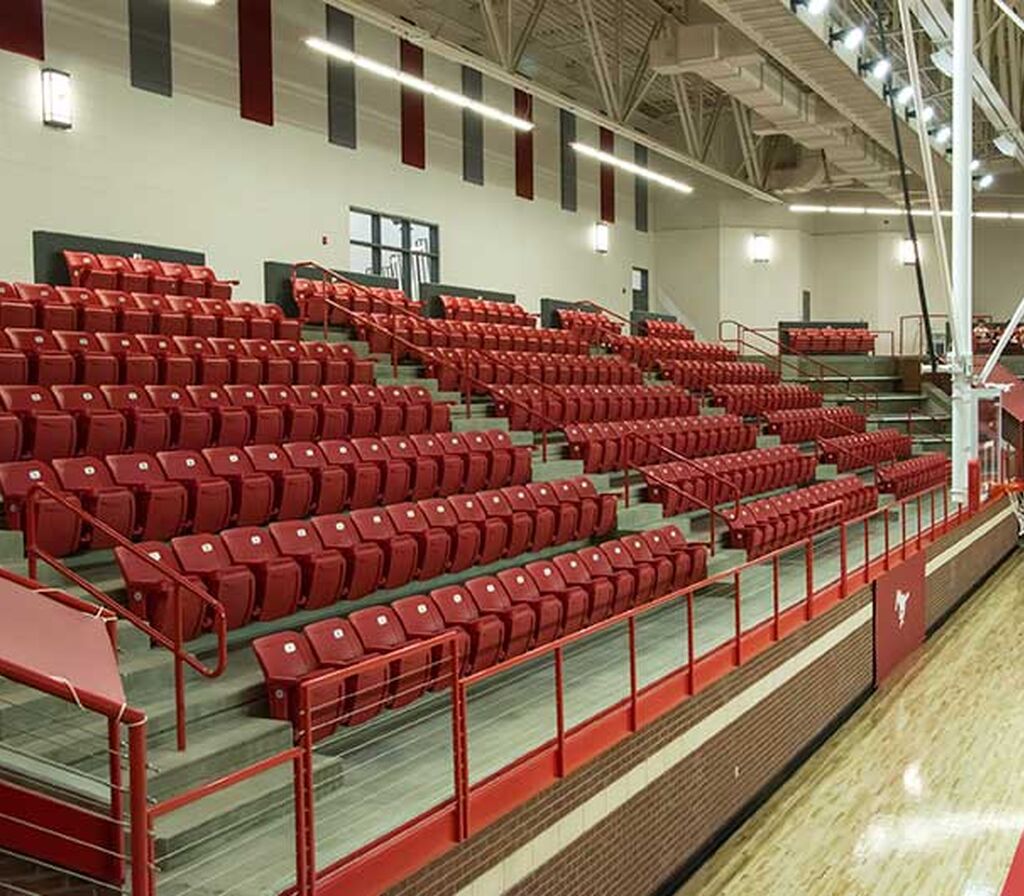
x=546, y=844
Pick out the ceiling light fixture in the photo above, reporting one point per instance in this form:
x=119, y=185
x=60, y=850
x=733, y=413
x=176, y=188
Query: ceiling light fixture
x=343, y=54
x=942, y=59
x=975, y=164
x=895, y=212
x=1006, y=144
x=905, y=95
x=986, y=181
x=943, y=134
x=851, y=38
x=813, y=7
x=879, y=69
x=607, y=158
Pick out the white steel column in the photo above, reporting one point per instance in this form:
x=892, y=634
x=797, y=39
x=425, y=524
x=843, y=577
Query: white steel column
x=965, y=429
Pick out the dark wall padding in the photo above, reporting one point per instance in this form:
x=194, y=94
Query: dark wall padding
x=48, y=262
x=256, y=60
x=149, y=45
x=341, y=81
x=430, y=294
x=277, y=283
x=812, y=324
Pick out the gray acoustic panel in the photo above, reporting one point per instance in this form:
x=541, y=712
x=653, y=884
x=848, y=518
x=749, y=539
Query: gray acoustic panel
x=149, y=45
x=48, y=260
x=567, y=160
x=341, y=81
x=472, y=129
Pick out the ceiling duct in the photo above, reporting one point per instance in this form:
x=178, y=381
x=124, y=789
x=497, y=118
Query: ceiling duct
x=724, y=56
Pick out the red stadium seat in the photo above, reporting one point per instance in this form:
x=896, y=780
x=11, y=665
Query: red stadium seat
x=161, y=506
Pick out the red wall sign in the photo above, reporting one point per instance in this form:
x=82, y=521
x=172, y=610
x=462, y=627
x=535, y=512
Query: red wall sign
x=899, y=614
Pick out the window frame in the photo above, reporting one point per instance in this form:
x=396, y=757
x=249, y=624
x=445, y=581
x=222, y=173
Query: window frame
x=410, y=255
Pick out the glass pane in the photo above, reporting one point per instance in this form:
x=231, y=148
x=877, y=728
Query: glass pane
x=826, y=559
x=660, y=642
x=361, y=259
x=391, y=265
x=360, y=226
x=756, y=595
x=714, y=619
x=639, y=280
x=421, y=237
x=391, y=232
x=793, y=577
x=595, y=673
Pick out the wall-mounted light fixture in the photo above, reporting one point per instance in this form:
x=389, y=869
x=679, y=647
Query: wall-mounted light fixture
x=602, y=238
x=57, y=105
x=760, y=248
x=813, y=7
x=851, y=38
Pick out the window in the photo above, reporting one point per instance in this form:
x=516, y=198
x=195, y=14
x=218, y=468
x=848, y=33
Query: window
x=640, y=280
x=389, y=246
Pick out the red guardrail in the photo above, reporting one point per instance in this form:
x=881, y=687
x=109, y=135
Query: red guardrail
x=176, y=645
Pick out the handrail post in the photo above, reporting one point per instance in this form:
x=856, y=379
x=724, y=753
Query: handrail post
x=560, y=709
x=691, y=647
x=737, y=617
x=114, y=772
x=460, y=735
x=809, y=573
x=309, y=794
x=633, y=682
x=776, y=622
x=842, y=559
x=139, y=809
x=305, y=876
x=179, y=672
x=31, y=534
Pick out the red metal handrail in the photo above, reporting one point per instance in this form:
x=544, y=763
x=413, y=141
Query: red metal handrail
x=182, y=658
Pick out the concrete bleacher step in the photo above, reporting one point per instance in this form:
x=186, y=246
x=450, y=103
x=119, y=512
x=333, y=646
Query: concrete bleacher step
x=20, y=875
x=197, y=831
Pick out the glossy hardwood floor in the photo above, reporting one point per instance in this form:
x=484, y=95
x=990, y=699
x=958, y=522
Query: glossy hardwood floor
x=921, y=793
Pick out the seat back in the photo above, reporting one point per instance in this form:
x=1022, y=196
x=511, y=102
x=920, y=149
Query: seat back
x=201, y=553
x=285, y=656
x=82, y=473
x=296, y=538
x=455, y=605
x=378, y=628
x=79, y=399
x=335, y=642
x=419, y=616
x=183, y=465
x=249, y=544
x=135, y=470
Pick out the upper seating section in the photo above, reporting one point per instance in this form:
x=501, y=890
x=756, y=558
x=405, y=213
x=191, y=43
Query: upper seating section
x=830, y=340
x=763, y=526
x=447, y=366
x=41, y=423
x=726, y=476
x=908, y=477
x=43, y=357
x=703, y=375
x=537, y=408
x=145, y=275
x=161, y=494
x=749, y=400
x=433, y=333
x=493, y=618
x=592, y=326
x=650, y=351
x=26, y=305
x=665, y=329
x=858, y=450
x=307, y=564
x=312, y=296
x=482, y=311
x=808, y=424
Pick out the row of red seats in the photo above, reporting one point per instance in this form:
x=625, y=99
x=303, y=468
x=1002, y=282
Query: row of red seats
x=145, y=275
x=908, y=477
x=494, y=618
x=526, y=405
x=665, y=329
x=610, y=446
x=267, y=573
x=147, y=496
x=312, y=295
x=864, y=449
x=808, y=424
x=649, y=351
x=41, y=357
x=763, y=526
x=830, y=340
x=747, y=472
x=62, y=421
x=705, y=374
x=592, y=326
x=435, y=333
x=103, y=310
x=749, y=400
x=447, y=366
x=482, y=311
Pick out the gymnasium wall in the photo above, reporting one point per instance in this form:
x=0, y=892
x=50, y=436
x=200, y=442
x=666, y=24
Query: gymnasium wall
x=187, y=170
x=638, y=818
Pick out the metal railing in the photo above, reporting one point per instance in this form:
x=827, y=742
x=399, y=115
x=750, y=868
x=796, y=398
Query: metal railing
x=174, y=584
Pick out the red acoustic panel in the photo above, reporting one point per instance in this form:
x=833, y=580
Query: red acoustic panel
x=256, y=60
x=21, y=27
x=524, y=147
x=414, y=130
x=899, y=614
x=607, y=178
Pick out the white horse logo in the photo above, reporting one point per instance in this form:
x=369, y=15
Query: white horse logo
x=902, y=599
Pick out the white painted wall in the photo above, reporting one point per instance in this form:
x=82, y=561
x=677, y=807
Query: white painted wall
x=189, y=172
